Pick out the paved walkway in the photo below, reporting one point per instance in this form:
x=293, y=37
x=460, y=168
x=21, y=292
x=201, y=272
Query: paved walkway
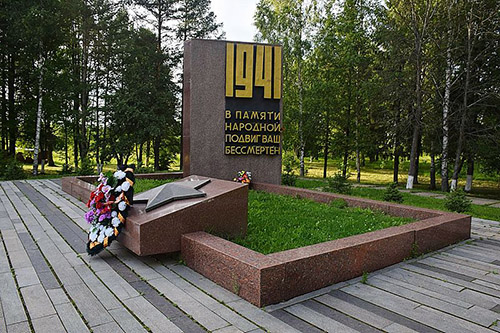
x=48, y=284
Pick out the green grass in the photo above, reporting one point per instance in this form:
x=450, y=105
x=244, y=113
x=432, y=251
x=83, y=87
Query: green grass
x=142, y=185
x=485, y=212
x=277, y=223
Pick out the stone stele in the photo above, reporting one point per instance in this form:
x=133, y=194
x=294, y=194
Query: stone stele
x=204, y=106
x=222, y=208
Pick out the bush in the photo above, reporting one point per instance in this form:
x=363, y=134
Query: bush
x=457, y=201
x=86, y=168
x=339, y=184
x=143, y=169
x=392, y=193
x=13, y=170
x=66, y=169
x=288, y=176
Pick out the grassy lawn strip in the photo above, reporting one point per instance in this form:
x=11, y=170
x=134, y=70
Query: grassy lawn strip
x=485, y=212
x=278, y=222
x=142, y=185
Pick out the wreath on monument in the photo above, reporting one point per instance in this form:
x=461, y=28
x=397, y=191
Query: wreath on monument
x=109, y=204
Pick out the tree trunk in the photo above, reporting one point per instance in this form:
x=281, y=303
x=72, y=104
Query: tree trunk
x=301, y=121
x=140, y=153
x=156, y=151
x=446, y=107
x=38, y=121
x=326, y=144
x=417, y=162
x=433, y=172
x=470, y=174
x=397, y=144
x=4, y=106
x=148, y=151
x=12, y=111
x=463, y=120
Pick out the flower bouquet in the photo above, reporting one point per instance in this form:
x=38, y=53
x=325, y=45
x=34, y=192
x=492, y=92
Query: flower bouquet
x=244, y=177
x=109, y=204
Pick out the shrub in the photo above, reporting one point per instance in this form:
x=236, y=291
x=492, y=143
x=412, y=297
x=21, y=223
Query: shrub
x=13, y=170
x=339, y=184
x=86, y=168
x=143, y=169
x=288, y=176
x=457, y=201
x=66, y=169
x=392, y=193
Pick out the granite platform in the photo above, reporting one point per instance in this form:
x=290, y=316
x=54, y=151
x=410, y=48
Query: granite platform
x=223, y=210
x=269, y=279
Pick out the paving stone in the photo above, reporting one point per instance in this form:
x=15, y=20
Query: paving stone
x=57, y=296
x=19, y=259
x=21, y=327
x=4, y=263
x=150, y=315
x=107, y=328
x=397, y=328
x=205, y=284
x=126, y=321
x=295, y=322
x=228, y=329
x=476, y=315
x=3, y=327
x=37, y=301
x=117, y=284
x=200, y=313
x=260, y=317
x=92, y=310
x=354, y=311
x=317, y=319
x=99, y=288
x=26, y=277
x=412, y=310
x=48, y=324
x=13, y=310
x=339, y=317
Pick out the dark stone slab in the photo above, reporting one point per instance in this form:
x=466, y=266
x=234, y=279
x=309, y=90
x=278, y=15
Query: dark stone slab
x=295, y=322
x=204, y=106
x=496, y=308
x=339, y=317
x=445, y=272
x=381, y=312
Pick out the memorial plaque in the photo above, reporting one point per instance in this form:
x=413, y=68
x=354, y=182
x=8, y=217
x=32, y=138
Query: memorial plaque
x=232, y=109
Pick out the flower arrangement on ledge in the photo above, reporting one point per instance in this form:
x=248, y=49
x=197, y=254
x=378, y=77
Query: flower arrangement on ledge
x=244, y=177
x=109, y=204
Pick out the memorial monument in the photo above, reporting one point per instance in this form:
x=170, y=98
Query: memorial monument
x=232, y=109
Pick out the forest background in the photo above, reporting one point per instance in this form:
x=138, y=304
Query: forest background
x=370, y=87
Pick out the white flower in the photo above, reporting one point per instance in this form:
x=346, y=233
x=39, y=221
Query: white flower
x=115, y=222
x=119, y=174
x=125, y=186
x=109, y=231
x=114, y=213
x=93, y=235
x=122, y=205
x=100, y=239
x=118, y=189
x=101, y=227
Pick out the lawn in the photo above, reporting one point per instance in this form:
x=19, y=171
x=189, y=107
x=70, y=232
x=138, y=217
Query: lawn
x=142, y=185
x=381, y=173
x=277, y=222
x=485, y=212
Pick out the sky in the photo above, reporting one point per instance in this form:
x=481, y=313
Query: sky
x=237, y=16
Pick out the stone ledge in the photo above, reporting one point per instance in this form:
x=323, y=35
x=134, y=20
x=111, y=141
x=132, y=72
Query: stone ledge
x=81, y=186
x=268, y=279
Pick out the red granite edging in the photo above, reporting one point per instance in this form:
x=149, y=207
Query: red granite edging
x=268, y=279
x=81, y=186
